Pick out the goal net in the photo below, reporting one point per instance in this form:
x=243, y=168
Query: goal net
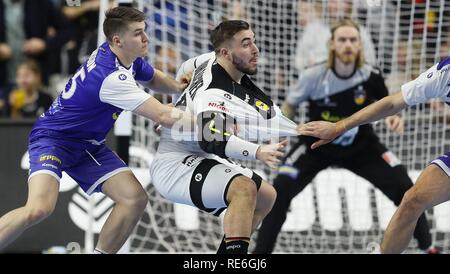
x=338, y=211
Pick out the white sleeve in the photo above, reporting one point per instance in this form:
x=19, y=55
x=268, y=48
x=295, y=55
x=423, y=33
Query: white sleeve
x=189, y=66
x=120, y=89
x=430, y=84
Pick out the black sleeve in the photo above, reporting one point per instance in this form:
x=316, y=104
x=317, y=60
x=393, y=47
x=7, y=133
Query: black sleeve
x=215, y=128
x=377, y=85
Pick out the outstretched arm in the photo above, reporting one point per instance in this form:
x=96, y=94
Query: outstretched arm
x=165, y=115
x=216, y=135
x=327, y=131
x=163, y=83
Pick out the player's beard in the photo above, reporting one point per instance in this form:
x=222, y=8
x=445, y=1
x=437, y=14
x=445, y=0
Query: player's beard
x=239, y=64
x=347, y=58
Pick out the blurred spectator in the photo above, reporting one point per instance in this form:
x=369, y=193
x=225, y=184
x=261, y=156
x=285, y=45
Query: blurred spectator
x=24, y=26
x=312, y=44
x=27, y=100
x=85, y=20
x=166, y=59
x=4, y=107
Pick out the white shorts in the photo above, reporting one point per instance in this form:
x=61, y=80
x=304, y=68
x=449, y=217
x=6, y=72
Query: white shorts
x=196, y=180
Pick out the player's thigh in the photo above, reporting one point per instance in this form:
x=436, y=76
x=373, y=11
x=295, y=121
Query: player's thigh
x=214, y=181
x=96, y=166
x=43, y=190
x=433, y=185
x=124, y=187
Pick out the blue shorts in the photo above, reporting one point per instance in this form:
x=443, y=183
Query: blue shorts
x=89, y=165
x=443, y=162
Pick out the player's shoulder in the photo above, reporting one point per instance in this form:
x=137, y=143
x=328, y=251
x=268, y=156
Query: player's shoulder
x=314, y=71
x=105, y=59
x=369, y=69
x=204, y=58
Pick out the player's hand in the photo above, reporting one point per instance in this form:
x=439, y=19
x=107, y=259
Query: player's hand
x=270, y=154
x=323, y=130
x=157, y=126
x=394, y=123
x=184, y=81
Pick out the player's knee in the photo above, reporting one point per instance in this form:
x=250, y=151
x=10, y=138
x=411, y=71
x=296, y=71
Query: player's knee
x=412, y=201
x=140, y=200
x=243, y=188
x=271, y=194
x=35, y=215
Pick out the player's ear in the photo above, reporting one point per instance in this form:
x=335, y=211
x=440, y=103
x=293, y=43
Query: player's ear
x=225, y=53
x=116, y=41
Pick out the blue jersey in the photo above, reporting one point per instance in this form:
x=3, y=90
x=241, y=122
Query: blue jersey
x=94, y=97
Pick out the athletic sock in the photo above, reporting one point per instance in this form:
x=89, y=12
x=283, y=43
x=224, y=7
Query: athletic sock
x=237, y=245
x=222, y=247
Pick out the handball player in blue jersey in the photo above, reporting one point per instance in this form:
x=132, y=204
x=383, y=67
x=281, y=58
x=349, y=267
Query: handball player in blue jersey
x=70, y=136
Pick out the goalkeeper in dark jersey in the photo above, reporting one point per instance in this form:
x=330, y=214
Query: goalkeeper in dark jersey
x=336, y=89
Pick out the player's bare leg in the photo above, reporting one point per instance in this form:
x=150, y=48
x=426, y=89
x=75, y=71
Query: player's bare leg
x=238, y=218
x=264, y=203
x=432, y=188
x=43, y=192
x=131, y=200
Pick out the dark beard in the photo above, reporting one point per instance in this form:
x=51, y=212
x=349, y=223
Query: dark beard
x=239, y=65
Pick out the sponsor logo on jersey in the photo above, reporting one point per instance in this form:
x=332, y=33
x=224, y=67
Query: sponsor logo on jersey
x=198, y=177
x=430, y=75
x=262, y=106
x=228, y=96
x=227, y=170
x=360, y=96
x=326, y=115
x=49, y=157
x=245, y=153
x=115, y=116
x=219, y=105
x=391, y=159
x=122, y=77
x=49, y=165
x=289, y=171
x=189, y=161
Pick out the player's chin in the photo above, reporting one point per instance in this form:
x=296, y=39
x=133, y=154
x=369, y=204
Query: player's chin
x=252, y=70
x=143, y=53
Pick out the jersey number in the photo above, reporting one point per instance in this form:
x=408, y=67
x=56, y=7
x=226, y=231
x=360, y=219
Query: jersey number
x=69, y=92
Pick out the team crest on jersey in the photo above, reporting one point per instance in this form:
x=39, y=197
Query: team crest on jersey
x=262, y=106
x=122, y=77
x=360, y=96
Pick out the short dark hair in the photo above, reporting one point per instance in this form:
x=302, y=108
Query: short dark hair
x=225, y=31
x=118, y=18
